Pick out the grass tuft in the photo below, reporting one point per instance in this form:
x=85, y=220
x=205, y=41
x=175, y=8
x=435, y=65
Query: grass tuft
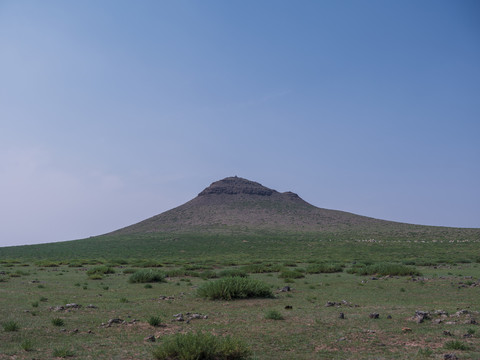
x=10, y=326
x=58, y=322
x=274, y=315
x=323, y=268
x=384, y=269
x=201, y=346
x=27, y=345
x=230, y=288
x=62, y=352
x=455, y=345
x=147, y=276
x=155, y=321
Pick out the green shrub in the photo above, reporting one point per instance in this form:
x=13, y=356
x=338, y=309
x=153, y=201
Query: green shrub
x=208, y=274
x=455, y=345
x=323, y=268
x=262, y=268
x=274, y=315
x=27, y=345
x=100, y=270
x=58, y=322
x=124, y=300
x=148, y=286
x=62, y=352
x=35, y=304
x=11, y=326
x=230, y=288
x=147, y=276
x=384, y=269
x=202, y=347
x=233, y=272
x=154, y=321
x=291, y=274
x=129, y=271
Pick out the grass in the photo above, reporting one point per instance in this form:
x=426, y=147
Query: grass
x=274, y=315
x=384, y=269
x=323, y=268
x=27, y=345
x=58, y=322
x=155, y=321
x=231, y=288
x=200, y=346
x=147, y=276
x=456, y=345
x=10, y=326
x=62, y=352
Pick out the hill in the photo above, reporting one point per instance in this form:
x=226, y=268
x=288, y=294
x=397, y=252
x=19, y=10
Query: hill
x=240, y=206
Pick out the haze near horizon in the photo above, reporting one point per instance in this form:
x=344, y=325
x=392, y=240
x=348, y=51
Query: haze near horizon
x=114, y=111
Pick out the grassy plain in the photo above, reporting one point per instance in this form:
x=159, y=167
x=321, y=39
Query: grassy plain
x=35, y=280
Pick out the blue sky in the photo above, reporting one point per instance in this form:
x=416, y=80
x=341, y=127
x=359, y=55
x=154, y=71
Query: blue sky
x=114, y=111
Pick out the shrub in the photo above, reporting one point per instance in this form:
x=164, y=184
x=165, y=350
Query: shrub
x=233, y=272
x=35, y=304
x=124, y=300
x=146, y=276
x=129, y=271
x=208, y=274
x=384, y=269
x=100, y=270
x=262, y=268
x=62, y=352
x=148, y=286
x=27, y=345
x=201, y=346
x=291, y=274
x=11, y=326
x=230, y=288
x=323, y=268
x=455, y=345
x=154, y=321
x=274, y=315
x=58, y=322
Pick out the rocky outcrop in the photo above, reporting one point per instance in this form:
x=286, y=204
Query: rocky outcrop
x=235, y=185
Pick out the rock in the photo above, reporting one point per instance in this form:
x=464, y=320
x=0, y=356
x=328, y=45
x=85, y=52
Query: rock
x=437, y=321
x=113, y=321
x=450, y=357
x=342, y=339
x=288, y=307
x=373, y=278
x=341, y=315
x=406, y=330
x=467, y=336
x=73, y=306
x=91, y=306
x=374, y=316
x=421, y=316
x=330, y=303
x=74, y=331
x=447, y=333
x=150, y=338
x=286, y=289
x=389, y=317
x=178, y=317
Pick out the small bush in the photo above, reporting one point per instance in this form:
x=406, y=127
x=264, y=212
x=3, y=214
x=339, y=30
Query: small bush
x=262, y=268
x=57, y=322
x=455, y=345
x=154, y=321
x=129, y=271
x=208, y=274
x=11, y=326
x=62, y=352
x=148, y=286
x=100, y=270
x=323, y=268
x=384, y=269
x=123, y=300
x=27, y=345
x=201, y=346
x=233, y=272
x=147, y=276
x=35, y=304
x=273, y=315
x=291, y=274
x=43, y=299
x=230, y=288
x=95, y=277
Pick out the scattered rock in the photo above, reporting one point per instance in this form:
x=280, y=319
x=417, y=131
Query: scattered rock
x=450, y=357
x=437, y=321
x=91, y=306
x=467, y=336
x=74, y=331
x=389, y=317
x=421, y=316
x=447, y=333
x=163, y=297
x=374, y=316
x=286, y=289
x=341, y=315
x=330, y=303
x=188, y=317
x=406, y=330
x=342, y=339
x=150, y=338
x=288, y=307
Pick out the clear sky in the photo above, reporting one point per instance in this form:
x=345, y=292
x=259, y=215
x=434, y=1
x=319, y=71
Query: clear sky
x=114, y=111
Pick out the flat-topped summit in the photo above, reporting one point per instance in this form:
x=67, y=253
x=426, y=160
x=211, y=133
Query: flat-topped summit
x=236, y=185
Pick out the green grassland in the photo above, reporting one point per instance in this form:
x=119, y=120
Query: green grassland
x=36, y=279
